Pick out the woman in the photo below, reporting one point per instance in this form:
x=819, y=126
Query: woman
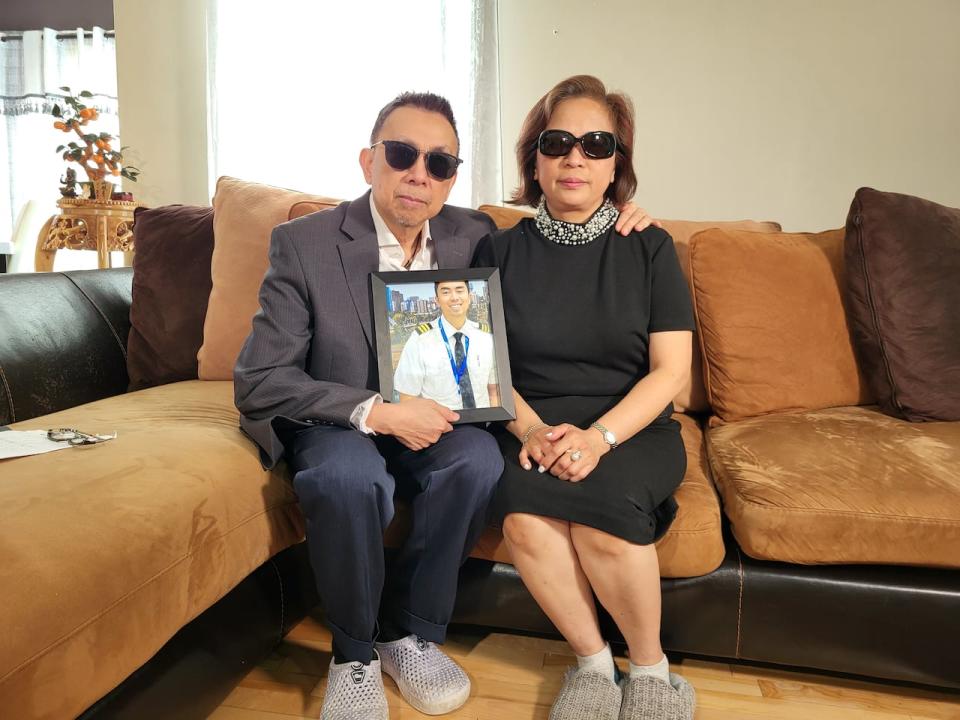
x=599, y=328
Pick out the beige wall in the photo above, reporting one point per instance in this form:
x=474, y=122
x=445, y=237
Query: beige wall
x=768, y=109
x=161, y=82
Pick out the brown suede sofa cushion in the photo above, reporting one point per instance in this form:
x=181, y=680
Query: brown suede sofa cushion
x=903, y=284
x=771, y=322
x=693, y=396
x=171, y=286
x=109, y=550
x=841, y=485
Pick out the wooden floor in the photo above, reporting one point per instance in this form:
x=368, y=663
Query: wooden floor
x=517, y=677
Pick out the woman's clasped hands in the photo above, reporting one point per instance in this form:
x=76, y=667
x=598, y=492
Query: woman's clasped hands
x=563, y=450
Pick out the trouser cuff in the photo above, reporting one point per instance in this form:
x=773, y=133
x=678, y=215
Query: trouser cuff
x=353, y=650
x=424, y=628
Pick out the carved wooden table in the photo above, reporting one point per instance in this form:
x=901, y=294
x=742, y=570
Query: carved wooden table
x=102, y=225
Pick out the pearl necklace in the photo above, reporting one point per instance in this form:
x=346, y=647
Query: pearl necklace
x=568, y=233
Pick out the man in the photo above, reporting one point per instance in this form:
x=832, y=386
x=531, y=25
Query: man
x=449, y=359
x=306, y=386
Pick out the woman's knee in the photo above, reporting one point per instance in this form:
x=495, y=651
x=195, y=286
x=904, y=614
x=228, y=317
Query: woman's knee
x=529, y=533
x=588, y=539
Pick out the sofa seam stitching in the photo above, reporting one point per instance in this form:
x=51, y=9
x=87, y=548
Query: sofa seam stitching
x=9, y=393
x=282, y=607
x=739, y=603
x=119, y=601
x=113, y=330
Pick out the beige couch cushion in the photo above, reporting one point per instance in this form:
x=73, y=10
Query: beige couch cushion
x=842, y=485
x=244, y=215
x=693, y=397
x=109, y=550
x=693, y=545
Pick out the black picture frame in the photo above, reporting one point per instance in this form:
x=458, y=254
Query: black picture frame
x=382, y=287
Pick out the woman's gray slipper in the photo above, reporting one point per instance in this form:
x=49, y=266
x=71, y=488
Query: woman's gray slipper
x=586, y=695
x=649, y=698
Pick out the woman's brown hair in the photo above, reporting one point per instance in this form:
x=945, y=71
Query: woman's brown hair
x=621, y=113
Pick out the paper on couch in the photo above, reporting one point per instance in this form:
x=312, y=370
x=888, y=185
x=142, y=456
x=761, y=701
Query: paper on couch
x=20, y=443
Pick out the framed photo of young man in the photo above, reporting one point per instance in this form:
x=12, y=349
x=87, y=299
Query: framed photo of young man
x=440, y=335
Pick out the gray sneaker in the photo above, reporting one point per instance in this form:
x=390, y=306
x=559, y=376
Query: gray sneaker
x=427, y=677
x=586, y=695
x=354, y=692
x=650, y=698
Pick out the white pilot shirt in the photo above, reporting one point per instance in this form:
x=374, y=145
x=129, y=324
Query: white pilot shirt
x=424, y=368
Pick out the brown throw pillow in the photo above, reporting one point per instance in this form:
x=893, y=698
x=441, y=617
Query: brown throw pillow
x=171, y=285
x=903, y=287
x=245, y=215
x=693, y=397
x=771, y=322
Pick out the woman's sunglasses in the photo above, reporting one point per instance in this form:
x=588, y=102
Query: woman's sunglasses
x=597, y=144
x=402, y=156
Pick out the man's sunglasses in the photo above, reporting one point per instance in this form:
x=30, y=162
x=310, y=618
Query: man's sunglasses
x=597, y=144
x=402, y=156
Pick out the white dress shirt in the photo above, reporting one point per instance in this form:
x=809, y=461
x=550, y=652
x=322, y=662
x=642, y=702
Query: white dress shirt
x=391, y=259
x=391, y=253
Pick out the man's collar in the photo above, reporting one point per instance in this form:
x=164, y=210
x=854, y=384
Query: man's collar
x=385, y=237
x=450, y=329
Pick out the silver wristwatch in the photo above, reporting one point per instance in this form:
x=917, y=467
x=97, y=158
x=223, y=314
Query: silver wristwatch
x=608, y=437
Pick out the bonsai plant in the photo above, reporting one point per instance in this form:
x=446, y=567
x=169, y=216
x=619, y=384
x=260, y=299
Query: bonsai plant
x=94, y=153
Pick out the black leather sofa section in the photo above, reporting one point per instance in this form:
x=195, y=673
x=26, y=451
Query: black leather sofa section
x=895, y=623
x=63, y=340
x=62, y=343
x=900, y=623
x=699, y=614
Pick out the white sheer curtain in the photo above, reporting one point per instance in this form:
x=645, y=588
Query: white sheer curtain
x=33, y=67
x=295, y=87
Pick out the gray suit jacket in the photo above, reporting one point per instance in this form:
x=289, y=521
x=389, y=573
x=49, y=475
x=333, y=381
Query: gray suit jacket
x=310, y=358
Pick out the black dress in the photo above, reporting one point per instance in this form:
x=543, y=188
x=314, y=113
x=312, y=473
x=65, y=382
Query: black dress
x=579, y=319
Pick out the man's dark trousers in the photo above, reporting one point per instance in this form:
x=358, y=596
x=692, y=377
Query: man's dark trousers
x=346, y=482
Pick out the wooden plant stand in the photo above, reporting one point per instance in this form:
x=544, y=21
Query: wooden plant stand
x=102, y=225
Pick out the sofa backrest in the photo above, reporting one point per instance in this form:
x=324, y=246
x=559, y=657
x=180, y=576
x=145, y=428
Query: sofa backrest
x=63, y=340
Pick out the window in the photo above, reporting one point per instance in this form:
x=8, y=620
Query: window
x=33, y=67
x=295, y=87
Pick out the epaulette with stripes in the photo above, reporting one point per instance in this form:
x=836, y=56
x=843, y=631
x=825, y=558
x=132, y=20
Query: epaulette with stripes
x=424, y=327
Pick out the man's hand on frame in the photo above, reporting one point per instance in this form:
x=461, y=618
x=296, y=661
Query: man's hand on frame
x=417, y=423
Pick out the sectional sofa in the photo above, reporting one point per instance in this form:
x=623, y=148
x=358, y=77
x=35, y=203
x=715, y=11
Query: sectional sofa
x=144, y=576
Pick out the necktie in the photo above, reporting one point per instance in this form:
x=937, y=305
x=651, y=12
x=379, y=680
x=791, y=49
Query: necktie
x=466, y=389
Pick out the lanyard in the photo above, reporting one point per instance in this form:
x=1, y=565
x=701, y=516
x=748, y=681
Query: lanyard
x=457, y=371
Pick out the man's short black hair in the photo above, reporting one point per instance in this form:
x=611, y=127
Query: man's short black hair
x=436, y=285
x=430, y=102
